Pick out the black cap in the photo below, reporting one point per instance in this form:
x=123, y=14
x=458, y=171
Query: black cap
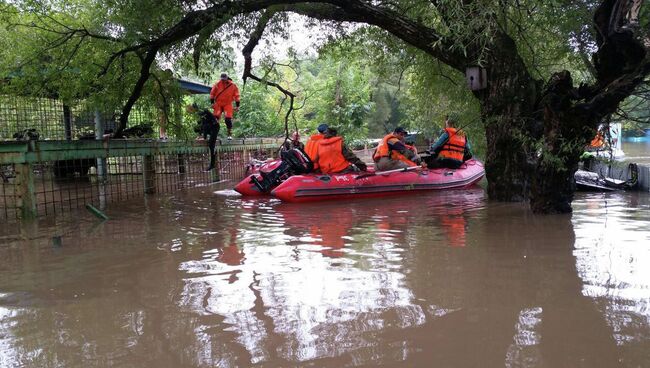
x=399, y=129
x=224, y=76
x=322, y=128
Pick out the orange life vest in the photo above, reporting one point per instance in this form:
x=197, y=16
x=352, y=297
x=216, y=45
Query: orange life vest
x=311, y=148
x=454, y=148
x=224, y=93
x=384, y=151
x=330, y=155
x=598, y=141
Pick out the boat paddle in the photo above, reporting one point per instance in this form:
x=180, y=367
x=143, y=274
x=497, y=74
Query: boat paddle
x=375, y=173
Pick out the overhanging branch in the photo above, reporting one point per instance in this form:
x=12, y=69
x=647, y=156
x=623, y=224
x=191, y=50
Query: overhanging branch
x=247, y=51
x=145, y=71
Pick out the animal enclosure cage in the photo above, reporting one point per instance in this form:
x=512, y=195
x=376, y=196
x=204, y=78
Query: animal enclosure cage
x=44, y=178
x=37, y=118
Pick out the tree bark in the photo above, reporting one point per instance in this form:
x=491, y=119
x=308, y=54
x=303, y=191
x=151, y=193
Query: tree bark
x=507, y=108
x=572, y=115
x=145, y=72
x=552, y=184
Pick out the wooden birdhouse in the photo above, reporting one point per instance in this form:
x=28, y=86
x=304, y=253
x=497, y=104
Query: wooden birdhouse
x=476, y=77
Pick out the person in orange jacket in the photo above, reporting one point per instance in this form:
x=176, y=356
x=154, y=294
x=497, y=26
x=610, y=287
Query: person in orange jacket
x=452, y=148
x=333, y=157
x=222, y=95
x=598, y=142
x=392, y=153
x=311, y=147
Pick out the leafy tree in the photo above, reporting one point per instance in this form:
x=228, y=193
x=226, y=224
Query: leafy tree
x=536, y=114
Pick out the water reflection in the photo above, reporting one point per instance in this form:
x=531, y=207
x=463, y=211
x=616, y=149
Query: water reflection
x=441, y=279
x=612, y=257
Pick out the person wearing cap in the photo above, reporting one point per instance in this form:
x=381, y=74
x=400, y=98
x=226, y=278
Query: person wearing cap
x=393, y=153
x=452, y=148
x=222, y=95
x=333, y=157
x=311, y=146
x=208, y=127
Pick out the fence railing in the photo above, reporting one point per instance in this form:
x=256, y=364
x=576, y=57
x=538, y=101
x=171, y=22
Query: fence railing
x=44, y=177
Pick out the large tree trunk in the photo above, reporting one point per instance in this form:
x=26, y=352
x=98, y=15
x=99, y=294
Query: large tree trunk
x=571, y=115
x=566, y=132
x=507, y=108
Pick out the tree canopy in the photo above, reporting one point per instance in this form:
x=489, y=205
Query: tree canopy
x=555, y=68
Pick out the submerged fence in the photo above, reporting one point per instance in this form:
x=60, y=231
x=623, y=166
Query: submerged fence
x=39, y=178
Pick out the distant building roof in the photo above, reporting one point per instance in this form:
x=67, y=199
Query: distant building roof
x=194, y=87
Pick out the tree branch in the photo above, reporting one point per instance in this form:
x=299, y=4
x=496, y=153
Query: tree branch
x=606, y=102
x=145, y=72
x=619, y=51
x=247, y=51
x=413, y=33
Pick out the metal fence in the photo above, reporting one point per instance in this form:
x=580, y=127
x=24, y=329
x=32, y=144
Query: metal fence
x=39, y=178
x=50, y=119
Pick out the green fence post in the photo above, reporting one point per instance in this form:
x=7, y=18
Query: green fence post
x=181, y=163
x=25, y=196
x=215, y=173
x=149, y=174
x=67, y=122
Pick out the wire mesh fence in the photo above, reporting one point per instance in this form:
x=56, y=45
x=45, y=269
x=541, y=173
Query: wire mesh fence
x=25, y=118
x=19, y=114
x=103, y=176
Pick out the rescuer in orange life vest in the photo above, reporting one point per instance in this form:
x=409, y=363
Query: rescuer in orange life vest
x=451, y=149
x=333, y=157
x=392, y=153
x=311, y=147
x=222, y=95
x=598, y=141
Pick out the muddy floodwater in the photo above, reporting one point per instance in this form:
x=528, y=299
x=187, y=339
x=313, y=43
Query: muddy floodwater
x=204, y=278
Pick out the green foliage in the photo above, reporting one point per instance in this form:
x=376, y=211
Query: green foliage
x=364, y=80
x=260, y=114
x=341, y=95
x=62, y=50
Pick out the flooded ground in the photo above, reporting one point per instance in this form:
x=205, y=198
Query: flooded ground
x=637, y=151
x=448, y=279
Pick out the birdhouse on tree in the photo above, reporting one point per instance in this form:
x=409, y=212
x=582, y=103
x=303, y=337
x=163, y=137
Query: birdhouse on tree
x=476, y=77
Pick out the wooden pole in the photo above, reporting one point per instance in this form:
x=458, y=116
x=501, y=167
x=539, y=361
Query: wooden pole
x=26, y=198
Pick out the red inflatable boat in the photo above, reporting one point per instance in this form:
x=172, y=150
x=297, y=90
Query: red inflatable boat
x=317, y=187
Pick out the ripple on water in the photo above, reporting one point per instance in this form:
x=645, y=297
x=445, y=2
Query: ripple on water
x=235, y=282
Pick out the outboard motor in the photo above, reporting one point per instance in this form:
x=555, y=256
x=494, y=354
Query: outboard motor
x=294, y=162
x=298, y=160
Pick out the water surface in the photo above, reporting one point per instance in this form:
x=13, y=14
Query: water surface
x=448, y=279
